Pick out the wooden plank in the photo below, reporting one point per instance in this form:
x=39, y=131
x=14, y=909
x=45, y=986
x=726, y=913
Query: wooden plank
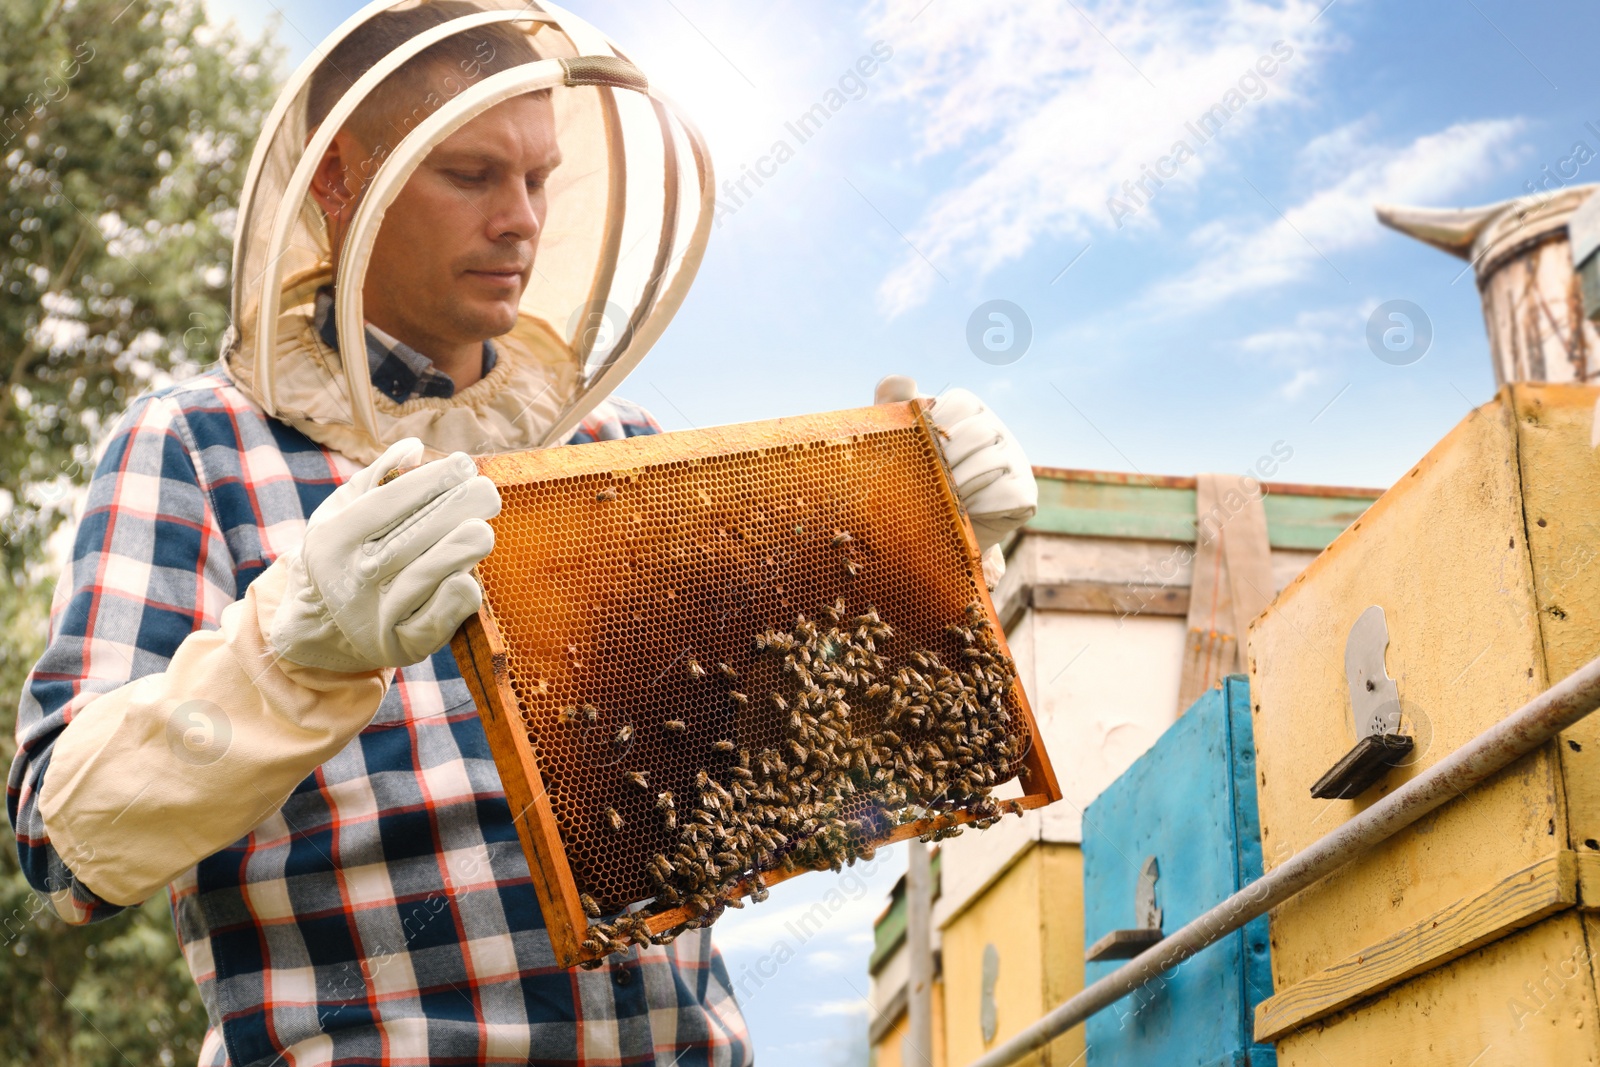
x=1189, y=802
x=1588, y=880
x=1561, y=513
x=480, y=655
x=1033, y=916
x=1517, y=901
x=1162, y=508
x=1110, y=598
x=1524, y=1000
x=1297, y=519
x=1444, y=555
x=1212, y=647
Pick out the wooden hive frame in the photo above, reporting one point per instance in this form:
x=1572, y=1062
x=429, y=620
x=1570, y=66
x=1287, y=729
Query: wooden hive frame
x=483, y=651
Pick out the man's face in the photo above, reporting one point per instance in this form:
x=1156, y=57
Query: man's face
x=456, y=247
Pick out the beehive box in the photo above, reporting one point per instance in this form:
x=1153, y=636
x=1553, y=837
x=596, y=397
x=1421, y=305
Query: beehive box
x=1189, y=802
x=1482, y=558
x=710, y=660
x=1012, y=953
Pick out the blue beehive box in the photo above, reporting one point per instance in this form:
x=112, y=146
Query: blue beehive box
x=1189, y=802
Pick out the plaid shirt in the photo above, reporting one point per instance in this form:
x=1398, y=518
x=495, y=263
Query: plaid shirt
x=396, y=370
x=385, y=914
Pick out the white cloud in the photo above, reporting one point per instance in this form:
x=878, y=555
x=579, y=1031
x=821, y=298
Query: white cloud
x=1055, y=104
x=1337, y=217
x=1305, y=349
x=801, y=925
x=854, y=1007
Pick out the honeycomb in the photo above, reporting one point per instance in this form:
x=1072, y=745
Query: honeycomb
x=650, y=597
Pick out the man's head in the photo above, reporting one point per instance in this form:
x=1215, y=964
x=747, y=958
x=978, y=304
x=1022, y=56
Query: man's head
x=456, y=247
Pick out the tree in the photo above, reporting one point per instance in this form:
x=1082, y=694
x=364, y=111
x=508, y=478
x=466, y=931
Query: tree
x=125, y=129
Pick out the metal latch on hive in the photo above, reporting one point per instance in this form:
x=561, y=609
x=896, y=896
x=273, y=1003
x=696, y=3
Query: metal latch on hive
x=1375, y=710
x=1126, y=944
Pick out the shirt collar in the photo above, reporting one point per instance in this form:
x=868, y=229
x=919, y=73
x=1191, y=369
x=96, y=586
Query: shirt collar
x=397, y=370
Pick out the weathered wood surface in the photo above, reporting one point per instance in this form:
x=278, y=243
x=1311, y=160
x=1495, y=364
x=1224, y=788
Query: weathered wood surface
x=1191, y=803
x=1561, y=506
x=475, y=647
x=1445, y=554
x=1527, y=1000
x=1033, y=916
x=1520, y=900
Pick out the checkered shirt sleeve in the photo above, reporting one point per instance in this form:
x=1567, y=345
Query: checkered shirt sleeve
x=148, y=566
x=385, y=914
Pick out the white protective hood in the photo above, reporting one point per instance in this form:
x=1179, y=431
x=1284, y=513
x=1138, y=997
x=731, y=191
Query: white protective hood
x=629, y=214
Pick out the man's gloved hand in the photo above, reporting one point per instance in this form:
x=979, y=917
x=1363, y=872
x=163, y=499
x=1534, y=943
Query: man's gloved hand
x=992, y=475
x=383, y=576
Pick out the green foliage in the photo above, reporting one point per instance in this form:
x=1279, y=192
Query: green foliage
x=125, y=130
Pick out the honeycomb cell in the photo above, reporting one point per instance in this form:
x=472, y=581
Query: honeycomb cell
x=788, y=637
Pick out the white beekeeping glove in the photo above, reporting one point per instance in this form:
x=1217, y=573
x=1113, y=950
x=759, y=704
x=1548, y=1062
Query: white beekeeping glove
x=380, y=581
x=383, y=577
x=991, y=472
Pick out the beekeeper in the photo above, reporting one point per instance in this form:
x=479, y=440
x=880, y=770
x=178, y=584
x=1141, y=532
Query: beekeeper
x=248, y=697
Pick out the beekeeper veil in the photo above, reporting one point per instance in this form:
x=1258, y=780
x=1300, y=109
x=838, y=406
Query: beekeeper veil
x=626, y=216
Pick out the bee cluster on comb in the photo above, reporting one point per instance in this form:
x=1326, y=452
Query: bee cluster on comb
x=863, y=743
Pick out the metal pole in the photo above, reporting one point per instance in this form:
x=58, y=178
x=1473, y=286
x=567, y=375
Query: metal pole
x=1503, y=743
x=919, y=945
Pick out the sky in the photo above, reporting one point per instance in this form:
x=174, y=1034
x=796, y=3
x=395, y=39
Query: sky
x=990, y=157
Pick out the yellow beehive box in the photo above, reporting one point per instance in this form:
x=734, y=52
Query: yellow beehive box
x=1526, y=1000
x=1013, y=952
x=1482, y=558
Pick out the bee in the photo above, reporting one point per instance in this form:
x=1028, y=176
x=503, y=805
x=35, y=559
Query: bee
x=590, y=908
x=676, y=726
x=567, y=715
x=591, y=713
x=739, y=699
x=727, y=672
x=723, y=746
x=638, y=778
x=695, y=670
x=613, y=819
x=593, y=947
x=841, y=537
x=851, y=568
x=780, y=703
x=605, y=495
x=625, y=734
